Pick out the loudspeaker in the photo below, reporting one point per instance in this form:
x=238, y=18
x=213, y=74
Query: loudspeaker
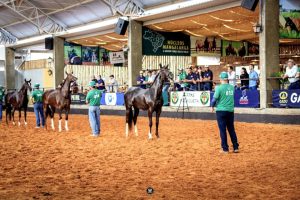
x=49, y=43
x=249, y=4
x=121, y=26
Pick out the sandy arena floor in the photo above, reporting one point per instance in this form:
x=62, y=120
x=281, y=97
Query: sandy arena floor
x=184, y=163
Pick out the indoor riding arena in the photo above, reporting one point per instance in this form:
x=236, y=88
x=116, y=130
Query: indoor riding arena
x=150, y=99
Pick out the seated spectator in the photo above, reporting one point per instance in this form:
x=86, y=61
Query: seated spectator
x=291, y=74
x=200, y=81
x=198, y=77
x=207, y=78
x=141, y=80
x=244, y=75
x=231, y=76
x=100, y=83
x=112, y=84
x=93, y=78
x=179, y=84
x=253, y=78
x=191, y=80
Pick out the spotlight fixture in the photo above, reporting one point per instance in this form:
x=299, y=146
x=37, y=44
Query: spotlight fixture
x=257, y=28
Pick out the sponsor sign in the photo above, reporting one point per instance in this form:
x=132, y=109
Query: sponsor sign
x=194, y=99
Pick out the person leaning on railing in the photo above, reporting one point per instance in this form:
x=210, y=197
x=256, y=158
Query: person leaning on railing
x=291, y=74
x=253, y=76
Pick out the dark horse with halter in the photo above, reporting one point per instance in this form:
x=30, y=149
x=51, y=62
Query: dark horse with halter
x=16, y=101
x=59, y=98
x=149, y=99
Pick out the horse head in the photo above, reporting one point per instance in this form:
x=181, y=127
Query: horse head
x=165, y=73
x=70, y=77
x=27, y=85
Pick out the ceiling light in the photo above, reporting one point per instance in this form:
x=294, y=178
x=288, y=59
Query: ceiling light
x=224, y=20
x=235, y=29
x=110, y=37
x=32, y=39
x=194, y=34
x=195, y=22
x=157, y=27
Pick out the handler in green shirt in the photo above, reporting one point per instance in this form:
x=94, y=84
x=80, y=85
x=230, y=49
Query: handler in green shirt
x=37, y=99
x=93, y=98
x=224, y=101
x=1, y=100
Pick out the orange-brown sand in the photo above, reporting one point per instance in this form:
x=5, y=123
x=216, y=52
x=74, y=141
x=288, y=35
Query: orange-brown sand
x=184, y=163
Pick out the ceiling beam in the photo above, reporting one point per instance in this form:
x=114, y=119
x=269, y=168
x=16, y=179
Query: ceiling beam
x=6, y=37
x=51, y=13
x=127, y=8
x=43, y=22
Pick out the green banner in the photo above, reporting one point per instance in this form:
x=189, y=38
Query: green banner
x=165, y=43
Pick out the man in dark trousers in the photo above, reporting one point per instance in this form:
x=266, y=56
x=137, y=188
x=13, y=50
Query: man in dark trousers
x=224, y=101
x=37, y=99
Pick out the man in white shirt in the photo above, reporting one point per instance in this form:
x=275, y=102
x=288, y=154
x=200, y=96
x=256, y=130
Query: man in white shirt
x=112, y=84
x=231, y=76
x=291, y=72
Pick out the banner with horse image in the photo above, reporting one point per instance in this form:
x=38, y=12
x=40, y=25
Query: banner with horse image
x=289, y=19
x=72, y=53
x=194, y=98
x=234, y=48
x=104, y=56
x=165, y=43
x=90, y=55
x=205, y=45
x=116, y=57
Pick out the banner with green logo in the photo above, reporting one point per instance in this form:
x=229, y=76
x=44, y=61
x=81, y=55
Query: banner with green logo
x=194, y=99
x=165, y=43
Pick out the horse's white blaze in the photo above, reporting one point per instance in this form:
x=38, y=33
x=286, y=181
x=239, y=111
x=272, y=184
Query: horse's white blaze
x=59, y=125
x=136, y=130
x=66, y=125
x=126, y=131
x=52, y=123
x=150, y=136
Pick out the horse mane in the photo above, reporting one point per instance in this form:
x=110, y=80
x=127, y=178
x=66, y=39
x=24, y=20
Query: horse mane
x=156, y=76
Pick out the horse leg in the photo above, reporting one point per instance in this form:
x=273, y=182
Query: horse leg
x=13, y=116
x=19, y=122
x=66, y=120
x=59, y=121
x=127, y=120
x=150, y=124
x=136, y=113
x=52, y=116
x=25, y=116
x=158, y=111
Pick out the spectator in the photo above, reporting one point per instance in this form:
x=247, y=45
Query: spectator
x=100, y=83
x=291, y=73
x=197, y=77
x=152, y=77
x=92, y=79
x=231, y=76
x=1, y=100
x=207, y=78
x=201, y=75
x=244, y=75
x=191, y=79
x=112, y=84
x=180, y=85
x=253, y=76
x=298, y=73
x=141, y=80
x=37, y=100
x=148, y=75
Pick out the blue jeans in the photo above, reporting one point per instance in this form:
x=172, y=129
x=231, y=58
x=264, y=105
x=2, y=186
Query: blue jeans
x=94, y=117
x=253, y=87
x=39, y=113
x=165, y=94
x=207, y=86
x=294, y=86
x=0, y=111
x=226, y=120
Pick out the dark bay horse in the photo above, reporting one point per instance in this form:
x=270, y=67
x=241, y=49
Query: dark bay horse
x=149, y=99
x=16, y=101
x=59, y=98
